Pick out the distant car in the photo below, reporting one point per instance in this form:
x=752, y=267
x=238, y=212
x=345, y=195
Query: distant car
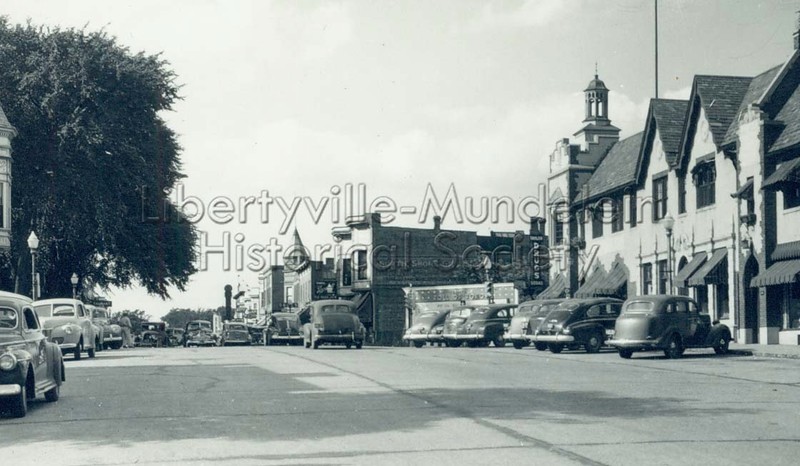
x=199, y=333
x=153, y=334
x=452, y=322
x=175, y=336
x=527, y=319
x=576, y=323
x=485, y=324
x=30, y=365
x=669, y=323
x=110, y=334
x=427, y=328
x=283, y=328
x=67, y=323
x=333, y=322
x=235, y=333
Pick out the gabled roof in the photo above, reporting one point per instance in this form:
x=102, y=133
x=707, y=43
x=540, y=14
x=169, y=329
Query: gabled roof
x=758, y=86
x=669, y=117
x=616, y=170
x=786, y=86
x=4, y=123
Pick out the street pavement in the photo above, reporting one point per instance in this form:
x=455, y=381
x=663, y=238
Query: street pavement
x=290, y=405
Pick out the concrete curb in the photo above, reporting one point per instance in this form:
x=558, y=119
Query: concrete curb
x=765, y=353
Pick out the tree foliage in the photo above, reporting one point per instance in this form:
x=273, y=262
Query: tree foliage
x=178, y=318
x=91, y=143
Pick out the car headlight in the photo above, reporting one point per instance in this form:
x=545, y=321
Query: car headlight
x=8, y=362
x=422, y=329
x=565, y=330
x=68, y=329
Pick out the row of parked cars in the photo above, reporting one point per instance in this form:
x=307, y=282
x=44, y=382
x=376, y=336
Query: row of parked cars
x=668, y=323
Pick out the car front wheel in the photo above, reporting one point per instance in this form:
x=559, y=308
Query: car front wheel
x=77, y=351
x=419, y=344
x=674, y=348
x=594, y=343
x=722, y=345
x=540, y=346
x=625, y=353
x=555, y=347
x=499, y=341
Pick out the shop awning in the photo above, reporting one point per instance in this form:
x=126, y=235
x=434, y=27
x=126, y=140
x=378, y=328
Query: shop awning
x=784, y=251
x=589, y=288
x=708, y=273
x=778, y=273
x=363, y=302
x=690, y=268
x=612, y=284
x=556, y=290
x=746, y=191
x=787, y=173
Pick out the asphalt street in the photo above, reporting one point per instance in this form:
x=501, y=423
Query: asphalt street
x=290, y=405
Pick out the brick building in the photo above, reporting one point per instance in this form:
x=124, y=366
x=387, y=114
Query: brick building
x=272, y=292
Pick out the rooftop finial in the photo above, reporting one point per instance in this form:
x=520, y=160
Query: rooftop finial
x=595, y=70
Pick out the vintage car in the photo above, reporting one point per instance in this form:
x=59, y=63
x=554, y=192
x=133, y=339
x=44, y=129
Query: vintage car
x=579, y=323
x=426, y=327
x=485, y=324
x=527, y=319
x=199, y=333
x=235, y=333
x=30, y=365
x=110, y=335
x=669, y=323
x=333, y=322
x=67, y=323
x=283, y=328
x=175, y=336
x=153, y=334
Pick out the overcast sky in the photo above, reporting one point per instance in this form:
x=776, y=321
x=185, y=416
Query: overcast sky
x=300, y=97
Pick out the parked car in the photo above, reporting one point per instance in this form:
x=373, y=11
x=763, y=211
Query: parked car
x=669, y=323
x=199, y=333
x=30, y=366
x=175, y=336
x=427, y=327
x=485, y=324
x=283, y=328
x=579, y=323
x=334, y=322
x=527, y=319
x=153, y=334
x=452, y=322
x=110, y=335
x=235, y=333
x=67, y=323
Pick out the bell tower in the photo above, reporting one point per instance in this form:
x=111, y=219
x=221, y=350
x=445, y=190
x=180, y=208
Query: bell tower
x=596, y=95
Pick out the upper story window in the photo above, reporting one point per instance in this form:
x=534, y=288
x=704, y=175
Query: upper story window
x=617, y=215
x=360, y=264
x=659, y=197
x=597, y=220
x=705, y=176
x=681, y=194
x=647, y=278
x=347, y=273
x=633, y=200
x=662, y=276
x=558, y=230
x=791, y=197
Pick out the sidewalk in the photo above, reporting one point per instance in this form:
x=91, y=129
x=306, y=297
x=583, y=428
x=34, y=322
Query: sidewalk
x=767, y=351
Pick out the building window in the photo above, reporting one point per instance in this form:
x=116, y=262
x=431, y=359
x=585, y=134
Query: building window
x=558, y=230
x=792, y=315
x=647, y=278
x=632, y=200
x=617, y=216
x=681, y=194
x=360, y=262
x=705, y=176
x=347, y=273
x=597, y=220
x=2, y=206
x=791, y=197
x=663, y=276
x=659, y=198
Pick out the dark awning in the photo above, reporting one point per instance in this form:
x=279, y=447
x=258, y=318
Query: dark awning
x=746, y=191
x=785, y=174
x=688, y=269
x=708, y=273
x=778, y=273
x=589, y=288
x=363, y=302
x=556, y=290
x=613, y=283
x=784, y=251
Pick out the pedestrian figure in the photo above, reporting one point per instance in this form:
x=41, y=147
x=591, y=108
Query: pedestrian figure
x=125, y=324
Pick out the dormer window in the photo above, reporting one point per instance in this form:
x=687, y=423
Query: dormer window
x=659, y=197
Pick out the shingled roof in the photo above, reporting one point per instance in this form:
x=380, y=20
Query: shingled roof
x=721, y=97
x=669, y=116
x=789, y=117
x=617, y=170
x=755, y=90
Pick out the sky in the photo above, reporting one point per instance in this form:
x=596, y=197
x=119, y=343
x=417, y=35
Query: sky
x=291, y=102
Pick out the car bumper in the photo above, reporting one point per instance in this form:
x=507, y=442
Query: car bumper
x=336, y=338
x=515, y=336
x=201, y=343
x=112, y=339
x=553, y=338
x=286, y=337
x=465, y=336
x=635, y=344
x=10, y=389
x=415, y=337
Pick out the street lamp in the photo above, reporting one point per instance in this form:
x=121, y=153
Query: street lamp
x=33, y=245
x=74, y=281
x=669, y=223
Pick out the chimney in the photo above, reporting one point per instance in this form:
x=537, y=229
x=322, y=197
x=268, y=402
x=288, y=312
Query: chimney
x=437, y=223
x=796, y=34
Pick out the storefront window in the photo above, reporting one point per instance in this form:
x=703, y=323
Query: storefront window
x=792, y=317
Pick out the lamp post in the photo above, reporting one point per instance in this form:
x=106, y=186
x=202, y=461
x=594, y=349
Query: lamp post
x=33, y=245
x=74, y=281
x=669, y=223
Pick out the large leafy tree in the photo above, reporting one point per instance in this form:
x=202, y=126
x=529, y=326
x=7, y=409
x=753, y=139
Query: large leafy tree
x=178, y=318
x=91, y=144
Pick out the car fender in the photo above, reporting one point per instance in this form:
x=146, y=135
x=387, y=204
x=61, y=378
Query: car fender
x=54, y=358
x=717, y=331
x=584, y=329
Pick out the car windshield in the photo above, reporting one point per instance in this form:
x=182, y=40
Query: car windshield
x=8, y=318
x=464, y=312
x=100, y=314
x=638, y=307
x=64, y=311
x=43, y=310
x=479, y=314
x=198, y=326
x=238, y=327
x=335, y=308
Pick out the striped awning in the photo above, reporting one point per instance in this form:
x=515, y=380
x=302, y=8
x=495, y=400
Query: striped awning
x=708, y=273
x=556, y=290
x=589, y=288
x=690, y=268
x=786, y=173
x=613, y=283
x=778, y=273
x=363, y=303
x=784, y=251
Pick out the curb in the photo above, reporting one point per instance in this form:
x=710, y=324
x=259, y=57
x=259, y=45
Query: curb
x=764, y=353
